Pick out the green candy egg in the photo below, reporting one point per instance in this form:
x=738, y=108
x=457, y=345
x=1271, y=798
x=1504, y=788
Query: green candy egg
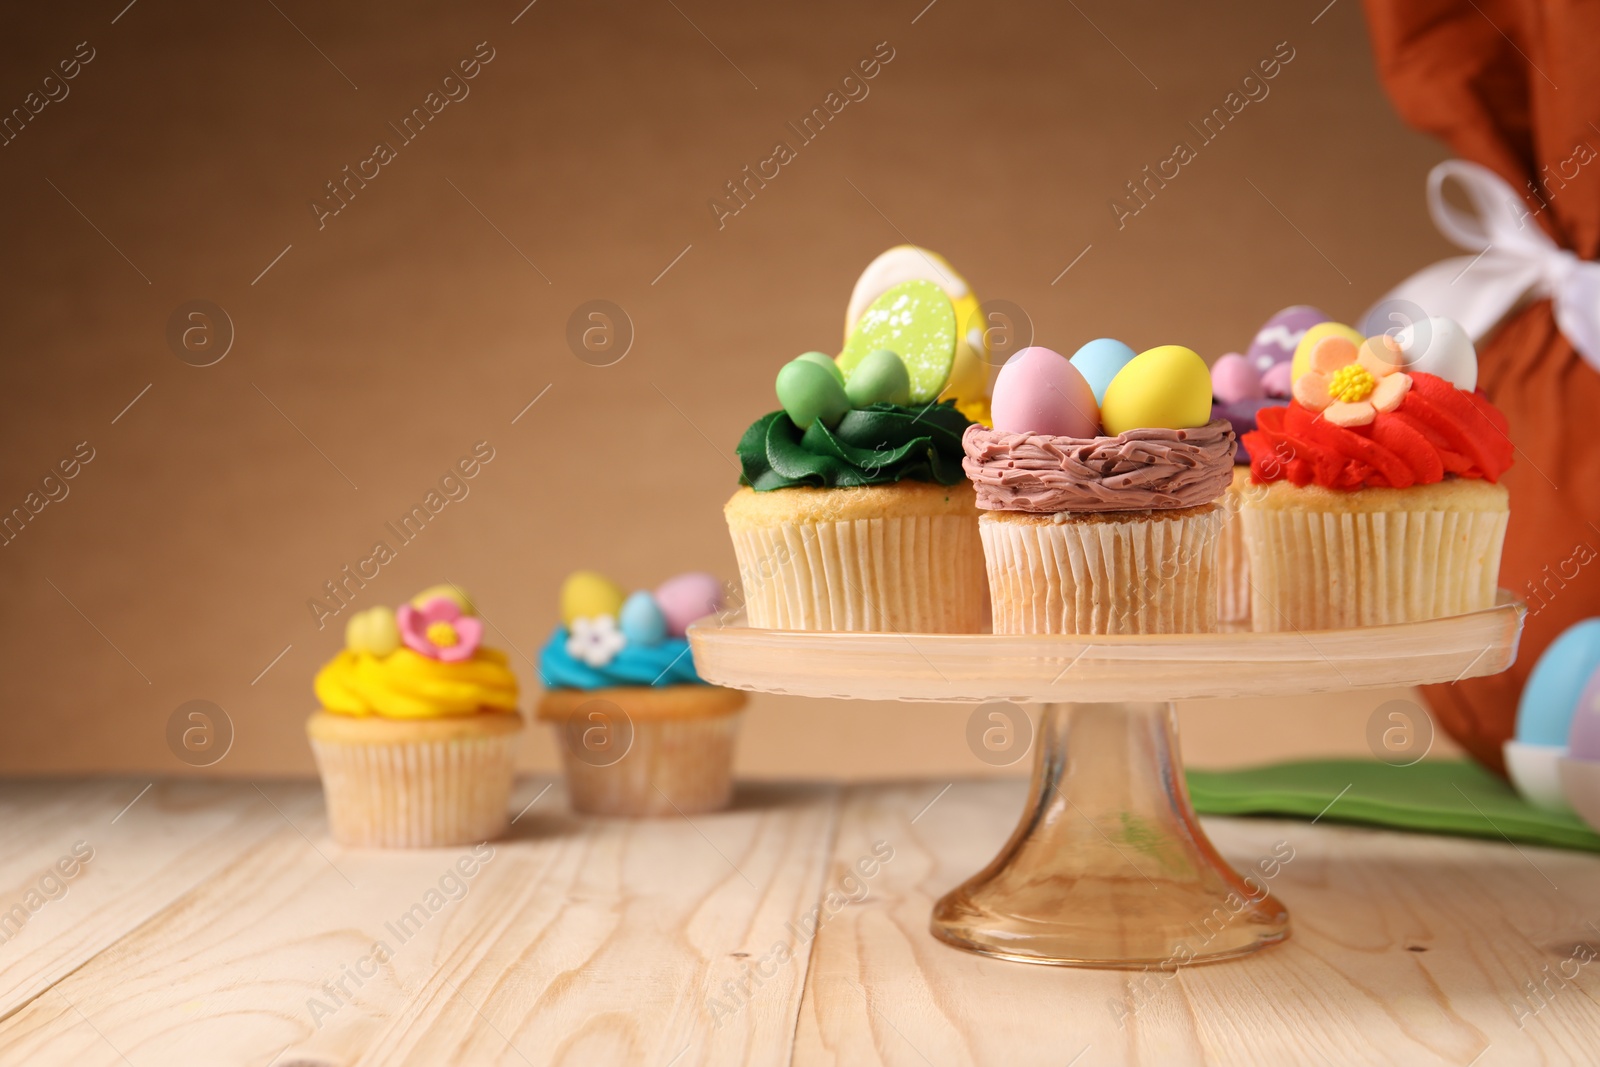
x=810, y=394
x=917, y=320
x=880, y=377
x=822, y=359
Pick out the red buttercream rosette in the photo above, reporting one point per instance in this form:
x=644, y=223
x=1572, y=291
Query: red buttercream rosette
x=1437, y=430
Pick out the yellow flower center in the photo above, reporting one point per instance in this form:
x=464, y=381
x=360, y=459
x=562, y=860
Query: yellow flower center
x=1352, y=384
x=442, y=634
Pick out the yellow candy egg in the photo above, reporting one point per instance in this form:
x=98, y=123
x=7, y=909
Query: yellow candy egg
x=1312, y=338
x=969, y=374
x=445, y=592
x=374, y=631
x=1168, y=387
x=587, y=595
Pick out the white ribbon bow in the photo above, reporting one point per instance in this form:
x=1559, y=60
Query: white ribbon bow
x=1514, y=259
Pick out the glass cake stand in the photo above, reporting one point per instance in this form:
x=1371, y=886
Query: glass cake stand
x=1108, y=866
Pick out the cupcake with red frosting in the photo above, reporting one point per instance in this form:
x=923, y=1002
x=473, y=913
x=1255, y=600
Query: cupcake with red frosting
x=1379, y=500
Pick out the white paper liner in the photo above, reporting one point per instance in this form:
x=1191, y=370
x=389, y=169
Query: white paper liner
x=906, y=574
x=1233, y=563
x=417, y=794
x=1135, y=576
x=1315, y=570
x=674, y=766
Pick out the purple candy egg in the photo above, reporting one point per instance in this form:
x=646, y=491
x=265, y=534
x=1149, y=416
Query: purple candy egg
x=686, y=598
x=1584, y=740
x=1275, y=341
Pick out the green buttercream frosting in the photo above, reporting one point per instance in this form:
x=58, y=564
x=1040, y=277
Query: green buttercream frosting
x=876, y=445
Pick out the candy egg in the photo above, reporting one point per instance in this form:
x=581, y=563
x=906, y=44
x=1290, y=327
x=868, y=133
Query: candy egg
x=1544, y=714
x=1233, y=379
x=374, y=631
x=641, y=620
x=1280, y=335
x=809, y=394
x=453, y=593
x=1313, y=337
x=1167, y=387
x=587, y=595
x=917, y=320
x=688, y=597
x=879, y=378
x=1583, y=740
x=1440, y=347
x=1099, y=361
x=1040, y=391
x=825, y=361
x=1277, y=381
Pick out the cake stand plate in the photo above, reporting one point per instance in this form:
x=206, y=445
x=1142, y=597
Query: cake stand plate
x=1108, y=866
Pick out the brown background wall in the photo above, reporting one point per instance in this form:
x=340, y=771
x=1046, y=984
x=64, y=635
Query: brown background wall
x=414, y=323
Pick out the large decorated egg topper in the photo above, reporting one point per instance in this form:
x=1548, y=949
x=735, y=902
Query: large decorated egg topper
x=1545, y=714
x=1040, y=392
x=1279, y=337
x=609, y=637
x=1580, y=768
x=901, y=353
x=968, y=379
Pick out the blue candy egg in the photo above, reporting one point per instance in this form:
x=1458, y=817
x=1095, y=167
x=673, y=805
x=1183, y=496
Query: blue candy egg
x=1099, y=361
x=1550, y=699
x=642, y=620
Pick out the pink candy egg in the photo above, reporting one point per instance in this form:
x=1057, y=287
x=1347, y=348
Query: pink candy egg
x=1234, y=379
x=1040, y=391
x=1584, y=740
x=688, y=597
x=1277, y=381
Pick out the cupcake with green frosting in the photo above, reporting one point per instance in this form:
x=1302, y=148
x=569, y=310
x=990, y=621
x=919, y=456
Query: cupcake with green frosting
x=854, y=512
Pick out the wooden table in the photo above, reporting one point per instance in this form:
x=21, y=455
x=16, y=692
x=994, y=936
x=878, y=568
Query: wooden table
x=216, y=923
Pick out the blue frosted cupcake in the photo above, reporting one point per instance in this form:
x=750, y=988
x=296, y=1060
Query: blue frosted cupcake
x=640, y=732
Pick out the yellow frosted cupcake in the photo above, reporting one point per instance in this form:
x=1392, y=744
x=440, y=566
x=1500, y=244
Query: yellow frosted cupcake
x=418, y=727
x=855, y=513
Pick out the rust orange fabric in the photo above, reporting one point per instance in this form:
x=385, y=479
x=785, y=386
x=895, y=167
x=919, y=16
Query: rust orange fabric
x=1515, y=85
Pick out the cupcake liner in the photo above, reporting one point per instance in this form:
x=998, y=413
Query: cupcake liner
x=416, y=793
x=1334, y=569
x=906, y=574
x=1115, y=573
x=1233, y=560
x=673, y=767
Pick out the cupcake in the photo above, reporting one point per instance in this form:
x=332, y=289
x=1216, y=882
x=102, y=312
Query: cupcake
x=1242, y=385
x=854, y=512
x=1101, y=509
x=418, y=726
x=640, y=732
x=1376, y=498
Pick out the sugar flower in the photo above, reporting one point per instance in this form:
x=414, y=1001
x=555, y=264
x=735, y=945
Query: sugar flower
x=440, y=630
x=1350, y=386
x=595, y=641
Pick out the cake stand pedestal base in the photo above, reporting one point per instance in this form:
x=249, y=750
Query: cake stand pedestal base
x=1109, y=867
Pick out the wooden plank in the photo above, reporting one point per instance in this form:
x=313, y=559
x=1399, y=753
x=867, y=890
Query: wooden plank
x=129, y=848
x=582, y=941
x=1405, y=949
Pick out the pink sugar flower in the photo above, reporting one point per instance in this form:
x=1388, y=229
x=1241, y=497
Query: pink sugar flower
x=439, y=630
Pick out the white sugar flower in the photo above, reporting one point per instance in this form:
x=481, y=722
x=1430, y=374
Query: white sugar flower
x=595, y=641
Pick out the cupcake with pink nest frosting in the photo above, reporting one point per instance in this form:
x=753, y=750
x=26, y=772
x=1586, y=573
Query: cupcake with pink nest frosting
x=1100, y=509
